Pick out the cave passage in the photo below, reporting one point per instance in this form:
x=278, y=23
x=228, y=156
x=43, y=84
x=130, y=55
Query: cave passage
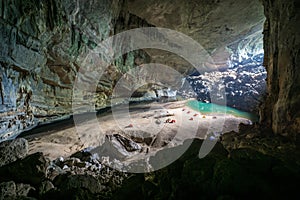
x=243, y=76
x=63, y=138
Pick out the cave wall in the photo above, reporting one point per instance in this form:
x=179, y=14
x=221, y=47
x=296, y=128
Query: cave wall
x=43, y=44
x=282, y=60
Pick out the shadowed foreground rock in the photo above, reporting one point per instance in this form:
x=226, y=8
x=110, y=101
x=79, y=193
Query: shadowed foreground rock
x=12, y=150
x=31, y=169
x=238, y=172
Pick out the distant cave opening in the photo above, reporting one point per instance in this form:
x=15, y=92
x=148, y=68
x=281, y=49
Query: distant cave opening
x=243, y=75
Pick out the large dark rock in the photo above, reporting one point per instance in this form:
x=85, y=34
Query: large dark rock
x=69, y=182
x=240, y=174
x=45, y=187
x=253, y=160
x=74, y=187
x=117, y=147
x=83, y=155
x=31, y=169
x=131, y=188
x=12, y=150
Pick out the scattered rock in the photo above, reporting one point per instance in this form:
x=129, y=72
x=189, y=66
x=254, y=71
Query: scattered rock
x=163, y=115
x=45, y=187
x=140, y=136
x=7, y=190
x=84, y=155
x=53, y=170
x=71, y=162
x=12, y=150
x=23, y=189
x=128, y=144
x=117, y=146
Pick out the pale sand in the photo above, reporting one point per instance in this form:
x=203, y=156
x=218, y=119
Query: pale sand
x=91, y=133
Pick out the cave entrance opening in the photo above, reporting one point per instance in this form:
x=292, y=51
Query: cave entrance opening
x=241, y=71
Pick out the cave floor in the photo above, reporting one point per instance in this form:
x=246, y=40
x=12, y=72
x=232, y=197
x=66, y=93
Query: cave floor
x=248, y=162
x=65, y=139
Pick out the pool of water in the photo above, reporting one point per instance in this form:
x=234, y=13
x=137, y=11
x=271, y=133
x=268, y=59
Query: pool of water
x=207, y=108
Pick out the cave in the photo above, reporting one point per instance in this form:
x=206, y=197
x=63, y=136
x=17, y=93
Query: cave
x=148, y=99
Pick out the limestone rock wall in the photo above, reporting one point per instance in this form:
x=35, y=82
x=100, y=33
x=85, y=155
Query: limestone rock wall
x=282, y=61
x=42, y=47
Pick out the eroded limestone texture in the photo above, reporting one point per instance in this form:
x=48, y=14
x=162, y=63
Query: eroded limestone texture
x=282, y=43
x=42, y=48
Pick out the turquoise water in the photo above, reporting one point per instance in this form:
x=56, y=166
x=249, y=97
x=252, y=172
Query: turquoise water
x=208, y=108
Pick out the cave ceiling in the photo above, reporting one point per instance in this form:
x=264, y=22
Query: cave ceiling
x=220, y=26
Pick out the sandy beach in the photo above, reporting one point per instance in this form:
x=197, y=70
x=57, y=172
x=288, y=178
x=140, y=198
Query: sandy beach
x=164, y=124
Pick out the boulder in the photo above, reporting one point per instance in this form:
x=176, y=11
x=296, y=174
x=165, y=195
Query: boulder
x=31, y=169
x=45, y=187
x=117, y=146
x=70, y=182
x=12, y=150
x=83, y=155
